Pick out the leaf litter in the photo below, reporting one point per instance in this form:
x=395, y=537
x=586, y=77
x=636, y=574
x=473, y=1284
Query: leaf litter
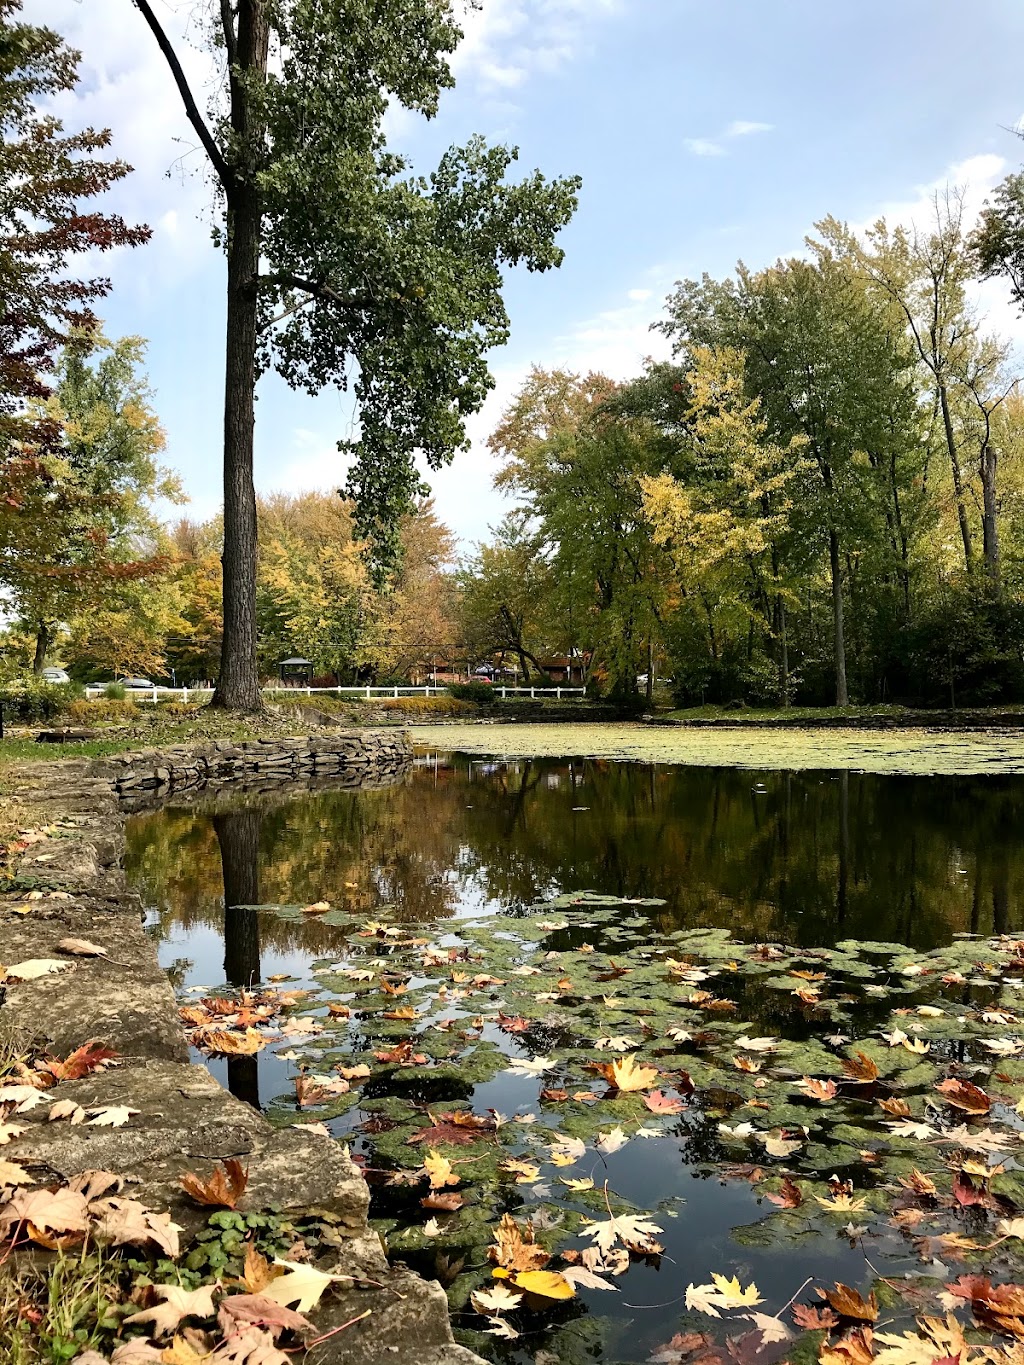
x=866, y=1091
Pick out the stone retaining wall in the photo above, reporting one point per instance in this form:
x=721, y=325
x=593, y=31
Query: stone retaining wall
x=183, y=1120
x=379, y=754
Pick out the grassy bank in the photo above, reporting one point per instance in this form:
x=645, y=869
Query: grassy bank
x=906, y=751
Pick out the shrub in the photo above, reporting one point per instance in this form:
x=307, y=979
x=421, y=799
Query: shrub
x=480, y=692
x=30, y=699
x=115, y=692
x=438, y=706
x=101, y=709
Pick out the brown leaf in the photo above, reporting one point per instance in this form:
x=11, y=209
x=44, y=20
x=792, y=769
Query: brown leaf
x=860, y=1068
x=173, y=1306
x=790, y=1196
x=899, y=1109
x=223, y=1189
x=814, y=1319
x=443, y=1203
x=458, y=1127
x=48, y=1210
x=91, y=1056
x=80, y=947
x=515, y=1248
x=854, y=1349
x=660, y=1103
x=848, y=1303
x=259, y=1311
x=127, y=1222
x=963, y=1095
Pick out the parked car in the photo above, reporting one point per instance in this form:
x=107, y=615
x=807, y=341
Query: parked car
x=135, y=682
x=54, y=675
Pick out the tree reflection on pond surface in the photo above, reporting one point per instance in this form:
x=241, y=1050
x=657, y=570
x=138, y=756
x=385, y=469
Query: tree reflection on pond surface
x=801, y=857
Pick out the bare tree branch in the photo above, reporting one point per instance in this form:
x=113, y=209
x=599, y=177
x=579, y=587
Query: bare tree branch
x=191, y=108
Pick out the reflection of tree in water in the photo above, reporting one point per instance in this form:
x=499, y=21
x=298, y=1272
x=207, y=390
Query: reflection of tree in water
x=807, y=857
x=238, y=837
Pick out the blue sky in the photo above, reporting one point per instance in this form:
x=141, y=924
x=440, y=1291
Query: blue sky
x=705, y=132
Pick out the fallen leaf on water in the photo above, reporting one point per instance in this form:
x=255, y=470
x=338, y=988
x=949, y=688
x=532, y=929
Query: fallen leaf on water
x=963, y=1095
x=546, y=1284
x=439, y=1170
x=495, y=1299
x=515, y=1248
x=660, y=1103
x=632, y=1229
x=625, y=1075
x=860, y=1068
x=848, y=1303
x=823, y=1091
x=610, y=1142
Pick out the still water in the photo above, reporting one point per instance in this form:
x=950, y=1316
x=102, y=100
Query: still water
x=798, y=857
x=804, y=858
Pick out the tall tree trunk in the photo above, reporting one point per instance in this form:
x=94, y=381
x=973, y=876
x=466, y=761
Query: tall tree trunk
x=958, y=483
x=42, y=645
x=990, y=514
x=650, y=675
x=842, y=696
x=238, y=686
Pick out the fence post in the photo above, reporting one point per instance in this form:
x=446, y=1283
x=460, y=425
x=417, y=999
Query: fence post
x=367, y=694
x=504, y=694
x=533, y=694
x=558, y=693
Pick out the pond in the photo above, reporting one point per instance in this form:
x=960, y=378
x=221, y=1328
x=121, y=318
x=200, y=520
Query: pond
x=708, y=1001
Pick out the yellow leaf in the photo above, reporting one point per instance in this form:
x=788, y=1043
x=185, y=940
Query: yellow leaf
x=546, y=1284
x=626, y=1075
x=439, y=1169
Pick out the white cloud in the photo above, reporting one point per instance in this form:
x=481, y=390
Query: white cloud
x=639, y=295
x=507, y=41
x=702, y=146
x=743, y=128
x=713, y=146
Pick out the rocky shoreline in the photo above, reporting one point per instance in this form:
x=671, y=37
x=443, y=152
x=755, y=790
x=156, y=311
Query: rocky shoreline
x=185, y=1121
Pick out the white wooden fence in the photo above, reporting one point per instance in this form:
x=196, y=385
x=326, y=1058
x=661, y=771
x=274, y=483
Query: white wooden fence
x=368, y=693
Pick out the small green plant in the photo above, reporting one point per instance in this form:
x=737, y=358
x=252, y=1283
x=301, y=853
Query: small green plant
x=114, y=692
x=51, y=1314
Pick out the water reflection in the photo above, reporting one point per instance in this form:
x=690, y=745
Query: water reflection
x=803, y=857
x=238, y=838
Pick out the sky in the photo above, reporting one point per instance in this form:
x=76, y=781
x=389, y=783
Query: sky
x=706, y=131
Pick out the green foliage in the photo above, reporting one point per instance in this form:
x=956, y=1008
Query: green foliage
x=480, y=692
x=115, y=692
x=28, y=699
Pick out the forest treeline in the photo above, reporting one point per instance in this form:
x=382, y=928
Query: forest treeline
x=816, y=500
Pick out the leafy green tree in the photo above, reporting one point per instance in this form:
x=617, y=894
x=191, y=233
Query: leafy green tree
x=832, y=376
x=342, y=268
x=85, y=529
x=576, y=465
x=504, y=593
